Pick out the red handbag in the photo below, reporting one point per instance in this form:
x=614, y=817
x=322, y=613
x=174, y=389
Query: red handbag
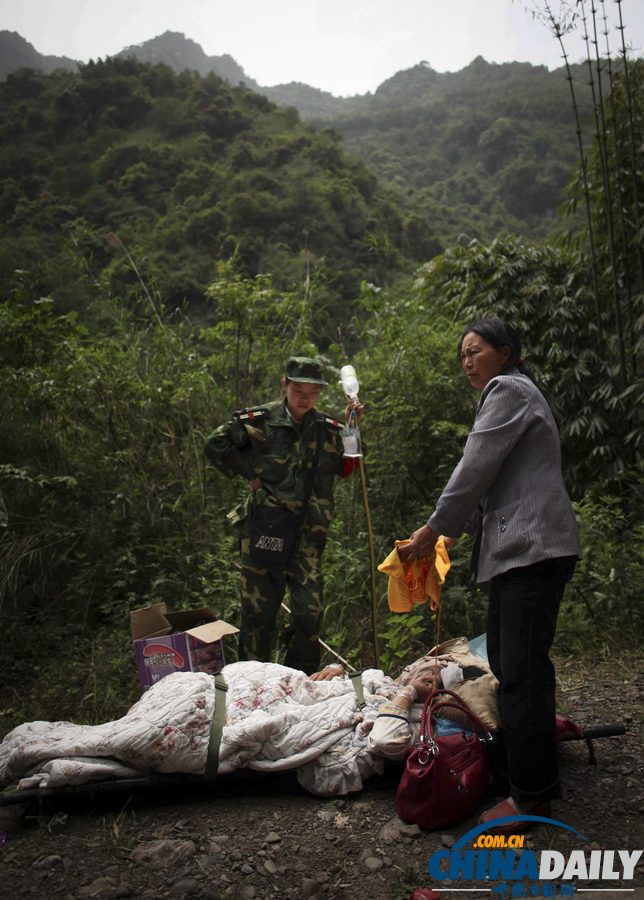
x=445, y=778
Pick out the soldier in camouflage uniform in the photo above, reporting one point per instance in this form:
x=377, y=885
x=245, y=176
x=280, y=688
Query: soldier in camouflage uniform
x=273, y=448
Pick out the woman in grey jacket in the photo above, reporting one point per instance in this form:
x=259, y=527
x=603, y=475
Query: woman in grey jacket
x=509, y=484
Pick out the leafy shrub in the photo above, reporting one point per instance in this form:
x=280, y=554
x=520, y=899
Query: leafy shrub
x=602, y=606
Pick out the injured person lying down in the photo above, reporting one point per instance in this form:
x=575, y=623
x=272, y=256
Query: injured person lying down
x=276, y=719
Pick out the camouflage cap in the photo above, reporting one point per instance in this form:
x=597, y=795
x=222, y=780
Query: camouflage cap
x=304, y=369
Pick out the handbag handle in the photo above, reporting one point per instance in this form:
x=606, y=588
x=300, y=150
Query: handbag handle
x=454, y=701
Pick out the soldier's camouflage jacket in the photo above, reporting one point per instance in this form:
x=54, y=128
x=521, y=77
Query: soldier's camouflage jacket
x=264, y=442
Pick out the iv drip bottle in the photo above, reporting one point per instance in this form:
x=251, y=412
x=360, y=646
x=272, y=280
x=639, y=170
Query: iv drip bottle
x=349, y=381
x=351, y=432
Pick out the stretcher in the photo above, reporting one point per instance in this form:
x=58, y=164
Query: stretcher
x=567, y=730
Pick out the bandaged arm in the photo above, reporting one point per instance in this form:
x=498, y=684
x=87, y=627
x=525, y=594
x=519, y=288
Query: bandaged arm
x=392, y=735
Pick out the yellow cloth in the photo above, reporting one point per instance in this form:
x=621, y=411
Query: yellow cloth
x=414, y=581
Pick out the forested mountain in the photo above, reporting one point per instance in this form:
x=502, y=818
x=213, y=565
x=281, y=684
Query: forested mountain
x=185, y=171
x=484, y=151
x=181, y=53
x=17, y=53
x=171, y=48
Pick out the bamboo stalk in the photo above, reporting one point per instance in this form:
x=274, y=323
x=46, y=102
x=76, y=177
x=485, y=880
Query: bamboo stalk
x=558, y=32
x=602, y=143
x=622, y=200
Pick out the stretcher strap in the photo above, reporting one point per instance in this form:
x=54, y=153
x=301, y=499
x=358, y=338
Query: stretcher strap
x=216, y=727
x=356, y=681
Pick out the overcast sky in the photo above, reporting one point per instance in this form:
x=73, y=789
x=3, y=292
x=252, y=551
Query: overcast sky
x=342, y=46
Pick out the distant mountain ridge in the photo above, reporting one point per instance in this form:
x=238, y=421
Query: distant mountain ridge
x=181, y=53
x=482, y=151
x=18, y=53
x=174, y=49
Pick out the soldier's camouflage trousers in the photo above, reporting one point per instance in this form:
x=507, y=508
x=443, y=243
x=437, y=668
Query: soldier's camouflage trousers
x=262, y=591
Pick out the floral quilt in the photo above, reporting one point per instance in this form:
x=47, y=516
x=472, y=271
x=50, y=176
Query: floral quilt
x=276, y=719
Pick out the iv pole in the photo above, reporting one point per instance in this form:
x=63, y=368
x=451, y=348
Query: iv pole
x=350, y=385
x=372, y=564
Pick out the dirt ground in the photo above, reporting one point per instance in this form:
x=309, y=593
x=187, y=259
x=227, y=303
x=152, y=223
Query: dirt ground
x=254, y=836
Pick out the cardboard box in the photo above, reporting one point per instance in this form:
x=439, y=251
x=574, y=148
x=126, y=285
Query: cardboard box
x=186, y=641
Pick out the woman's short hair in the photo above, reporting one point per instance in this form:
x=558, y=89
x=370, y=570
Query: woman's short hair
x=499, y=334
